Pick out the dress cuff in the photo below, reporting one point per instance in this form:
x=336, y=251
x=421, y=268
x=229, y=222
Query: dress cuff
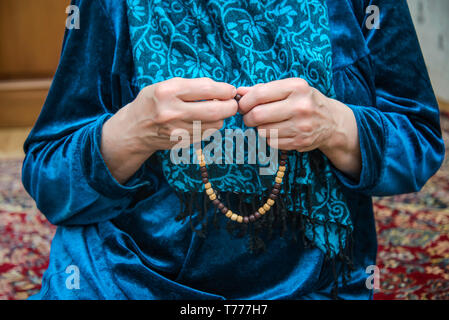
x=96, y=171
x=372, y=137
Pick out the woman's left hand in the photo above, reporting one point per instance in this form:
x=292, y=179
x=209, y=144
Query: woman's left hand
x=305, y=120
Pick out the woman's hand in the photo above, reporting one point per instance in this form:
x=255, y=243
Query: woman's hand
x=305, y=120
x=145, y=125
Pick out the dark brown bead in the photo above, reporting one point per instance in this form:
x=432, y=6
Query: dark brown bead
x=275, y=191
x=284, y=156
x=224, y=210
x=257, y=215
x=277, y=186
x=238, y=97
x=252, y=218
x=216, y=202
x=273, y=196
x=205, y=180
x=204, y=175
x=245, y=220
x=282, y=163
x=220, y=206
x=203, y=169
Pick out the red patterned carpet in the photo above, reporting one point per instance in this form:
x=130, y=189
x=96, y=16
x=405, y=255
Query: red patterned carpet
x=413, y=232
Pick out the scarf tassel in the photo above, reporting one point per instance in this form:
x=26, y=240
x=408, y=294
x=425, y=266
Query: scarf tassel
x=263, y=229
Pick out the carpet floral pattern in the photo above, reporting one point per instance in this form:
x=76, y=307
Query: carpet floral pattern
x=413, y=235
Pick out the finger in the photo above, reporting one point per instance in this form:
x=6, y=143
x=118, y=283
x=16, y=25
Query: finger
x=284, y=129
x=265, y=93
x=205, y=89
x=289, y=144
x=204, y=126
x=210, y=111
x=272, y=112
x=243, y=90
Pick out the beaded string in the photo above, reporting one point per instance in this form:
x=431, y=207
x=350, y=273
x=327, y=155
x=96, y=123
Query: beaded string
x=226, y=211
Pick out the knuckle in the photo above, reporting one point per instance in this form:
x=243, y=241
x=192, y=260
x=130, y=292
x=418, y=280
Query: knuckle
x=164, y=116
x=305, y=128
x=301, y=85
x=303, y=108
x=163, y=91
x=257, y=115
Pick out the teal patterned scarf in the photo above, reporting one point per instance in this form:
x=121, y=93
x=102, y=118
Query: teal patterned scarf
x=244, y=43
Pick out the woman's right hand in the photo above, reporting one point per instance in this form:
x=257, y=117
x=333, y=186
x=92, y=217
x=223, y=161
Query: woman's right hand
x=145, y=125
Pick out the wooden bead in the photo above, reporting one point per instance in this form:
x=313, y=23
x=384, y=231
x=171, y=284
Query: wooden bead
x=257, y=215
x=245, y=219
x=273, y=196
x=221, y=206
x=239, y=219
x=233, y=217
x=205, y=180
x=277, y=186
x=270, y=202
x=275, y=191
x=202, y=164
x=282, y=168
x=204, y=175
x=224, y=210
x=261, y=211
x=213, y=197
x=209, y=191
x=282, y=163
x=266, y=207
x=280, y=174
x=203, y=169
x=207, y=185
x=229, y=214
x=216, y=202
x=284, y=156
x=252, y=218
x=278, y=180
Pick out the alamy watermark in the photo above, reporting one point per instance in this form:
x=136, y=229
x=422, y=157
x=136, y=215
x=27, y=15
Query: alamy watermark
x=72, y=281
x=73, y=18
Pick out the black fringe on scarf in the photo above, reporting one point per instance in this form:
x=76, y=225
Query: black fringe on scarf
x=262, y=230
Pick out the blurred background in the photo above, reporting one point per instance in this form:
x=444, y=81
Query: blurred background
x=413, y=229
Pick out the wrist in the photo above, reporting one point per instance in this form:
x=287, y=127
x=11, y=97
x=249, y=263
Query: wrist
x=124, y=129
x=342, y=146
x=337, y=138
x=121, y=148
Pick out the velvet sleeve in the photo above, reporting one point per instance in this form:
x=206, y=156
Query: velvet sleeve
x=63, y=169
x=400, y=135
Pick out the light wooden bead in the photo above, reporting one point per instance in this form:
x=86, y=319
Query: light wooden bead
x=239, y=219
x=266, y=207
x=202, y=164
x=270, y=202
x=281, y=168
x=207, y=186
x=280, y=174
x=213, y=196
x=234, y=217
x=209, y=191
x=229, y=214
x=278, y=180
x=261, y=211
x=203, y=158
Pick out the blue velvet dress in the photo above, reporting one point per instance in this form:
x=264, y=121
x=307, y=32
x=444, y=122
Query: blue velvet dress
x=124, y=240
